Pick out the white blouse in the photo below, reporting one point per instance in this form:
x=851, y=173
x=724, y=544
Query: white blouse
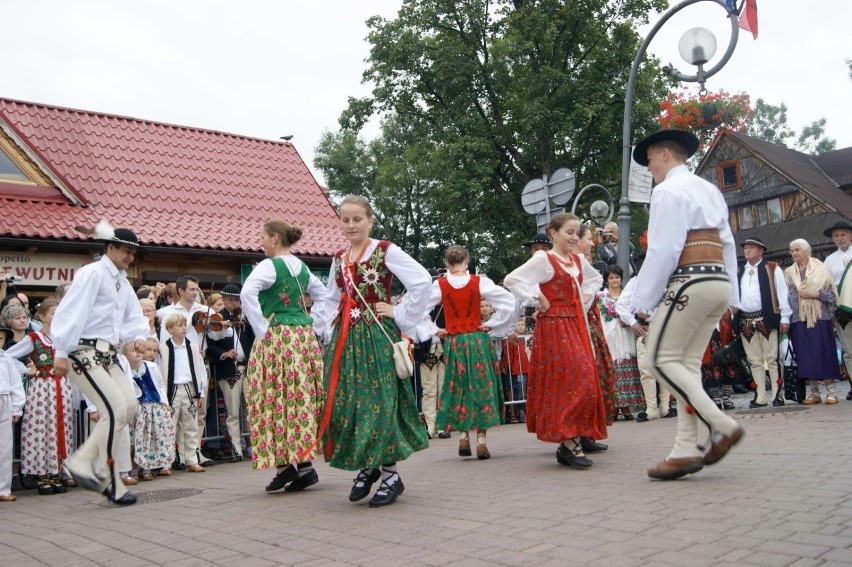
x=406, y=314
x=263, y=277
x=505, y=317
x=523, y=281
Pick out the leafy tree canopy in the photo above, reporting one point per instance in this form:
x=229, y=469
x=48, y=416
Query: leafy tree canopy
x=478, y=98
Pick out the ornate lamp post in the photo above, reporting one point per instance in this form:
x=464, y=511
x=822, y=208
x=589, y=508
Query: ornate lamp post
x=697, y=47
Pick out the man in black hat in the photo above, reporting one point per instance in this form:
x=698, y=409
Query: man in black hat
x=689, y=276
x=837, y=264
x=539, y=241
x=764, y=312
x=100, y=311
x=228, y=358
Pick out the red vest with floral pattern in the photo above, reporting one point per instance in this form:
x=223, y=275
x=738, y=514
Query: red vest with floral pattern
x=461, y=306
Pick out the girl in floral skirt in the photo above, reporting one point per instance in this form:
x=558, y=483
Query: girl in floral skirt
x=373, y=418
x=472, y=397
x=152, y=432
x=284, y=391
x=47, y=432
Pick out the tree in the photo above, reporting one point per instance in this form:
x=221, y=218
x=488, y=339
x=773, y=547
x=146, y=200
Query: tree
x=769, y=122
x=503, y=91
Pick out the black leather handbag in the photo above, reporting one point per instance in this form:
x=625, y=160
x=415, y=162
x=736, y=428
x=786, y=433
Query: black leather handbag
x=794, y=389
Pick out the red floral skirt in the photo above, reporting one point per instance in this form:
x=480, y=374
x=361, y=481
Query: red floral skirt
x=564, y=398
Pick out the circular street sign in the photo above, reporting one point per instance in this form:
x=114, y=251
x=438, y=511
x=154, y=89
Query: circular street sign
x=562, y=185
x=533, y=196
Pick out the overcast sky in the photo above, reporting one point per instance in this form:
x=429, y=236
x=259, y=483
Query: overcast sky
x=269, y=68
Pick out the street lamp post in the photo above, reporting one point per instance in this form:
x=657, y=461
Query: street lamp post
x=696, y=48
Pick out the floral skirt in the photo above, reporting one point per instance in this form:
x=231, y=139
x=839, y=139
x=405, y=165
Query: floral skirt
x=564, y=398
x=472, y=397
x=603, y=364
x=374, y=419
x=629, y=393
x=152, y=436
x=284, y=395
x=40, y=425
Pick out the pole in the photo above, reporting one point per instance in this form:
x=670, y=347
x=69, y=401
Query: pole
x=623, y=248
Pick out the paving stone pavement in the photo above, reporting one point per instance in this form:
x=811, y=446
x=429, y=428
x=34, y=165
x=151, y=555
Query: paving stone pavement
x=783, y=497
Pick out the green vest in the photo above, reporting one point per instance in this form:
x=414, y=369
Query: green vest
x=284, y=299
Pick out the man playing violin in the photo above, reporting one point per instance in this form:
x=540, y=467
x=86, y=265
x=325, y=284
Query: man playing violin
x=228, y=358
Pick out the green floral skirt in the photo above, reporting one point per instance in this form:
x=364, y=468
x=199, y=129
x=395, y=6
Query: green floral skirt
x=284, y=395
x=374, y=418
x=472, y=397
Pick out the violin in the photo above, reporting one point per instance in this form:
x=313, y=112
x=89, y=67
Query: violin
x=203, y=321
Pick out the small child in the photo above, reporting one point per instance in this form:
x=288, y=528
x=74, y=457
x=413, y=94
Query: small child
x=152, y=352
x=514, y=366
x=186, y=382
x=12, y=400
x=152, y=433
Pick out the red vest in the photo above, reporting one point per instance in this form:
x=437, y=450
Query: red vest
x=461, y=306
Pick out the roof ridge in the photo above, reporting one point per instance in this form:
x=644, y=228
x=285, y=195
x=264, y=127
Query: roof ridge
x=145, y=121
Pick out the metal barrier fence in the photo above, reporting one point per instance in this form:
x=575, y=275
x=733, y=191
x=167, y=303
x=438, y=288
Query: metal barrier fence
x=215, y=428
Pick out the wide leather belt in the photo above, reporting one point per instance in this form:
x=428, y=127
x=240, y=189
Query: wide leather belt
x=98, y=344
x=703, y=246
x=751, y=315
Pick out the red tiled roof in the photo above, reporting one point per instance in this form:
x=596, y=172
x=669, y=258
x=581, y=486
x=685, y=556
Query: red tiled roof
x=173, y=185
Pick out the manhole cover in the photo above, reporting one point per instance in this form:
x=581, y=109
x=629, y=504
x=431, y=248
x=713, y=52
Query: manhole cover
x=153, y=496
x=762, y=411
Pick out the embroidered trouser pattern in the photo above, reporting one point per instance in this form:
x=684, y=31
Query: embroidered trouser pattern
x=432, y=381
x=185, y=417
x=676, y=341
x=762, y=354
x=103, y=382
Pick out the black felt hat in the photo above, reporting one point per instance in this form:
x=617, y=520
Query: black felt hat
x=842, y=224
x=231, y=290
x=120, y=236
x=539, y=238
x=684, y=138
x=755, y=242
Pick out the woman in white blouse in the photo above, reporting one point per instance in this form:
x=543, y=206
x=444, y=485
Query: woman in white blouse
x=564, y=399
x=371, y=414
x=284, y=390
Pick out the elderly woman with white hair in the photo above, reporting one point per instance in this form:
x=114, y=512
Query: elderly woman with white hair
x=812, y=295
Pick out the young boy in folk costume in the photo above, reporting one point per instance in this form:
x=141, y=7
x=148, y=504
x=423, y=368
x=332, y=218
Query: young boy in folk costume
x=186, y=381
x=472, y=398
x=689, y=276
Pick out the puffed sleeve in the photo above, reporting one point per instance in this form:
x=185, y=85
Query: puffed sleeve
x=426, y=328
x=262, y=277
x=326, y=302
x=592, y=281
x=417, y=281
x=20, y=350
x=523, y=281
x=505, y=317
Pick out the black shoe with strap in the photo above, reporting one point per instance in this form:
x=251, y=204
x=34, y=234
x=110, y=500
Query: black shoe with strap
x=366, y=480
x=592, y=446
x=565, y=456
x=387, y=493
x=641, y=417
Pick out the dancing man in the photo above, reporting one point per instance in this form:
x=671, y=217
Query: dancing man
x=689, y=275
x=100, y=311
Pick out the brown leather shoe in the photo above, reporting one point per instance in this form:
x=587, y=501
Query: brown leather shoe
x=721, y=444
x=675, y=468
x=482, y=452
x=195, y=468
x=8, y=498
x=130, y=481
x=69, y=483
x=165, y=472
x=464, y=447
x=812, y=399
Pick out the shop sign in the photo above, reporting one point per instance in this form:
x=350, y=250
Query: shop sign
x=40, y=269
